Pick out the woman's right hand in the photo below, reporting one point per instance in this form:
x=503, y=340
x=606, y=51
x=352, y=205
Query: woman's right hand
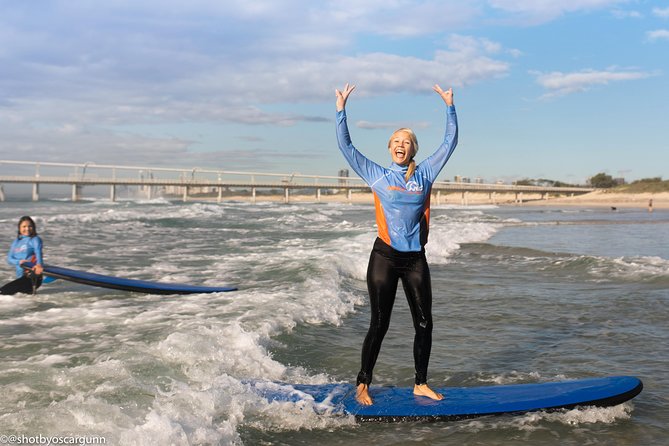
x=342, y=96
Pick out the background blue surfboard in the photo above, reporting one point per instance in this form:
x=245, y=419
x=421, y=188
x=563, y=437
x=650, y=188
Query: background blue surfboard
x=399, y=404
x=118, y=283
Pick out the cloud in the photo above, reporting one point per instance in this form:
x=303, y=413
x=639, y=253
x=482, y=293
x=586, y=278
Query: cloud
x=622, y=14
x=535, y=12
x=83, y=144
x=398, y=18
x=560, y=84
x=251, y=138
x=102, y=146
x=368, y=125
x=233, y=91
x=658, y=34
x=661, y=12
x=76, y=74
x=169, y=61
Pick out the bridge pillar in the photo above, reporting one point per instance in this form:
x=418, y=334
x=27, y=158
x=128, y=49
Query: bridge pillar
x=318, y=195
x=492, y=196
x=2, y=193
x=185, y=196
x=544, y=196
x=465, y=201
x=220, y=194
x=348, y=195
x=286, y=195
x=438, y=197
x=253, y=194
x=76, y=192
x=149, y=192
x=112, y=193
x=35, y=191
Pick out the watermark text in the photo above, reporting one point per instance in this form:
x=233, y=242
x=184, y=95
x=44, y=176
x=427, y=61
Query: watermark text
x=48, y=440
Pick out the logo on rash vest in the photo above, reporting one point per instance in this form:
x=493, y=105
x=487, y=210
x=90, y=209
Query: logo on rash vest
x=412, y=186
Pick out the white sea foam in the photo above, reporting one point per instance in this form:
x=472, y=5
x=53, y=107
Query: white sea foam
x=638, y=268
x=171, y=369
x=447, y=234
x=589, y=415
x=542, y=420
x=512, y=377
x=605, y=269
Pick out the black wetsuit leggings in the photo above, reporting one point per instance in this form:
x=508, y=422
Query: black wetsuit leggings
x=386, y=267
x=23, y=284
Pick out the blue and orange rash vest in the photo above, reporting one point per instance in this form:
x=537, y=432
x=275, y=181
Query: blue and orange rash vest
x=402, y=207
x=25, y=248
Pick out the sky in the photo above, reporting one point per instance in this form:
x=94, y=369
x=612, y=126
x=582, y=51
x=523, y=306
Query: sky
x=560, y=89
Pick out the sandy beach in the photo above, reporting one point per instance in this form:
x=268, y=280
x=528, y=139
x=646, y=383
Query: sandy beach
x=603, y=198
x=599, y=198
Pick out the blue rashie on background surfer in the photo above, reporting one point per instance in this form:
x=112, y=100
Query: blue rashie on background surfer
x=26, y=247
x=402, y=202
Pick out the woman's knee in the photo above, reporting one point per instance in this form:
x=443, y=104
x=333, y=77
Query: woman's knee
x=423, y=325
x=379, y=326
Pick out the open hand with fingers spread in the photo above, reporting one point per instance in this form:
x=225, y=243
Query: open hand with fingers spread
x=342, y=96
x=447, y=95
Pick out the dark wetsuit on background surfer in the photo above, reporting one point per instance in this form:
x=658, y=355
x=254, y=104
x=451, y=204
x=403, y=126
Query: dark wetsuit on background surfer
x=402, y=202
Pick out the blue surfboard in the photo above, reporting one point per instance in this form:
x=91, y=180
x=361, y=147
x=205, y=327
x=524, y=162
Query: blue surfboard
x=393, y=404
x=118, y=283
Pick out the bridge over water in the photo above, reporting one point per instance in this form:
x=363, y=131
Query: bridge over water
x=187, y=181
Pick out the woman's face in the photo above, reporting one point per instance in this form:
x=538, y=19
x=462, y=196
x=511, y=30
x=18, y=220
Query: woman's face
x=401, y=148
x=26, y=228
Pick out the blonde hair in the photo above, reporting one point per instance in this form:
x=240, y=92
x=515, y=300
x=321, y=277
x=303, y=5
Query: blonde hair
x=414, y=146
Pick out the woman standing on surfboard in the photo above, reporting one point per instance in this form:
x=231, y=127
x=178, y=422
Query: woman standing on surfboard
x=402, y=202
x=26, y=247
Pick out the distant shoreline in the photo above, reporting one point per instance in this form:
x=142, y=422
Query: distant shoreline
x=599, y=198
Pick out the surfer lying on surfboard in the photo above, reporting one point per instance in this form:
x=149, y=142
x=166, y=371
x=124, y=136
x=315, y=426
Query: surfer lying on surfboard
x=402, y=201
x=26, y=247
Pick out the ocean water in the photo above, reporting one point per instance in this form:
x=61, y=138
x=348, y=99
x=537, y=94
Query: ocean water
x=521, y=294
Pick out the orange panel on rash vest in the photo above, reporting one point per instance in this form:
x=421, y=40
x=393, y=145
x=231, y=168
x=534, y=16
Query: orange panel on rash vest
x=381, y=221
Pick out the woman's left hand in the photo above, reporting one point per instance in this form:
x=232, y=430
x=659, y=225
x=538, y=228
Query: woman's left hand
x=447, y=95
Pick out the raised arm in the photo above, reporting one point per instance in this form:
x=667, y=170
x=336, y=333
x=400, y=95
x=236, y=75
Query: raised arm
x=368, y=170
x=438, y=159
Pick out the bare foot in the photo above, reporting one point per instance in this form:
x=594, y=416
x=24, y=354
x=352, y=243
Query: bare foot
x=362, y=395
x=424, y=390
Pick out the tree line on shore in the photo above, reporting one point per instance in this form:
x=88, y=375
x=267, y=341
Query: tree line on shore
x=654, y=184
x=605, y=181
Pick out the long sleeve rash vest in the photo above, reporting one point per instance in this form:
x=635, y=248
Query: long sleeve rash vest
x=25, y=248
x=402, y=207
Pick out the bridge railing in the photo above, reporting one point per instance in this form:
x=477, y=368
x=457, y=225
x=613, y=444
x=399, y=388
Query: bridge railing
x=84, y=174
x=85, y=171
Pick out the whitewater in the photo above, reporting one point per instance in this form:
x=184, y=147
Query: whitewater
x=520, y=295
